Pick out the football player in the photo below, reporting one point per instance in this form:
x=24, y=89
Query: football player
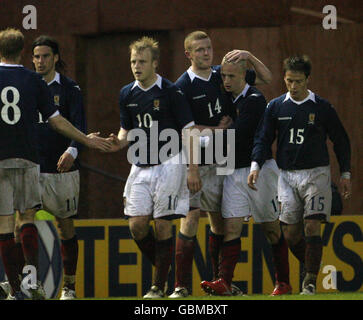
x=156, y=188
x=239, y=202
x=211, y=108
x=59, y=165
x=23, y=95
x=301, y=121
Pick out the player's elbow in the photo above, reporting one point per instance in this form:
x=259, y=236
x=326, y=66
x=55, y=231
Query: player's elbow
x=56, y=123
x=267, y=78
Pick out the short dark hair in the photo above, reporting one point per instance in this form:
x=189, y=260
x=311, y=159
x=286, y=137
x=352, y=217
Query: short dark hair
x=299, y=63
x=11, y=43
x=50, y=42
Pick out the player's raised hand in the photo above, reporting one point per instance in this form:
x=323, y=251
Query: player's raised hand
x=237, y=55
x=65, y=162
x=94, y=141
x=346, y=188
x=193, y=181
x=252, y=179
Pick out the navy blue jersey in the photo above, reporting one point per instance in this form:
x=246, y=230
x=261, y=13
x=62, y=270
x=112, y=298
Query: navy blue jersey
x=67, y=97
x=302, y=130
x=23, y=94
x=250, y=107
x=208, y=100
x=163, y=105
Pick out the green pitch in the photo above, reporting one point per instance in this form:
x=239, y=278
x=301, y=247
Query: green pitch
x=324, y=296
x=43, y=215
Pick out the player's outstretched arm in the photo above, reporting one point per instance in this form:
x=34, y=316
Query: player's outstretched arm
x=64, y=127
x=264, y=75
x=118, y=142
x=191, y=141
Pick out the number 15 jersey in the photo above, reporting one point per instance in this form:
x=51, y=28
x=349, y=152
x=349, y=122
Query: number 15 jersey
x=302, y=129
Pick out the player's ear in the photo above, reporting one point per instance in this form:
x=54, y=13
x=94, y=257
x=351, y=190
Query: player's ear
x=187, y=54
x=56, y=58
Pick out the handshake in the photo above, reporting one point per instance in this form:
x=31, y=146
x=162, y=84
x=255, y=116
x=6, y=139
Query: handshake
x=110, y=144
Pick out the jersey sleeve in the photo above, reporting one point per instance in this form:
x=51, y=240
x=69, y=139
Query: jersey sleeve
x=76, y=113
x=180, y=107
x=264, y=136
x=45, y=103
x=125, y=116
x=339, y=138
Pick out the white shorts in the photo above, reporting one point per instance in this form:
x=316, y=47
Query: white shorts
x=209, y=198
x=240, y=201
x=19, y=190
x=60, y=193
x=304, y=193
x=160, y=191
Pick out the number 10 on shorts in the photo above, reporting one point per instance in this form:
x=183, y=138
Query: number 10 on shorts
x=173, y=202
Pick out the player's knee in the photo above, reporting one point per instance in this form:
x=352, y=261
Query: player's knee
x=189, y=224
x=312, y=227
x=66, y=229
x=272, y=236
x=232, y=230
x=163, y=229
x=138, y=232
x=26, y=217
x=139, y=229
x=291, y=237
x=216, y=222
x=7, y=224
x=272, y=232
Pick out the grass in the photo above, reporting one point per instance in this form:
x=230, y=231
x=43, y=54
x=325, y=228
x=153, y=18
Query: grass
x=324, y=296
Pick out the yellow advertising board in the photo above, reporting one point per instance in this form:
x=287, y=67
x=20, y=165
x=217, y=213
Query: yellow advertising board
x=111, y=265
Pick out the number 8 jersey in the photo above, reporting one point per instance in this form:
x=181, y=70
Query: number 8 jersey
x=23, y=94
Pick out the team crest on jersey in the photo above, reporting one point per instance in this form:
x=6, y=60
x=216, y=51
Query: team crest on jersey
x=311, y=118
x=157, y=104
x=56, y=100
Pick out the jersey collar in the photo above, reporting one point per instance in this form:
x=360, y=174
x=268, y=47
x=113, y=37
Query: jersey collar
x=2, y=64
x=311, y=96
x=243, y=93
x=158, y=82
x=55, y=79
x=193, y=75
